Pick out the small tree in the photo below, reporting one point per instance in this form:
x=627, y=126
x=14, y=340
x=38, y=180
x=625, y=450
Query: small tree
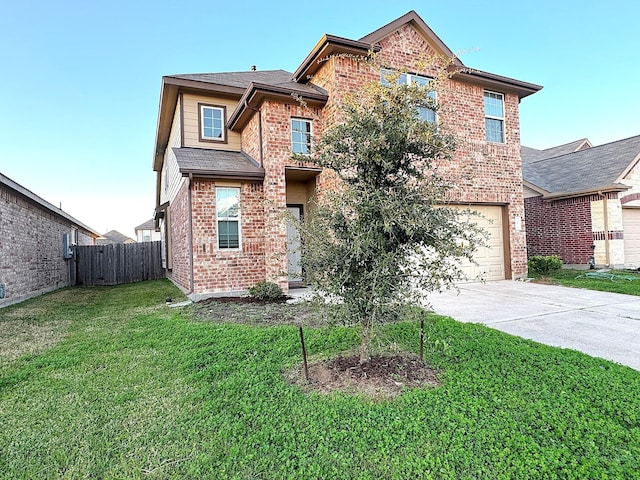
x=384, y=238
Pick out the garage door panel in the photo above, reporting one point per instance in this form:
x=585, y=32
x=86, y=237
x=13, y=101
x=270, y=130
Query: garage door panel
x=490, y=258
x=631, y=228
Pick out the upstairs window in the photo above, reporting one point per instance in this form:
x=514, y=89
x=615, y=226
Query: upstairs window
x=228, y=217
x=426, y=114
x=301, y=136
x=212, y=120
x=494, y=116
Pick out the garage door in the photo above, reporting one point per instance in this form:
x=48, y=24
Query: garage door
x=631, y=226
x=490, y=259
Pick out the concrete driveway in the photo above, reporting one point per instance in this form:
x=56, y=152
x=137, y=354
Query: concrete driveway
x=600, y=324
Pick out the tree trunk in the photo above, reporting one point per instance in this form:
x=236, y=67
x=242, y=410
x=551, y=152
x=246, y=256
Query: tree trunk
x=364, y=343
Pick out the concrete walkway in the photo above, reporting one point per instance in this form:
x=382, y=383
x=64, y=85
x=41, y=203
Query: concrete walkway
x=600, y=324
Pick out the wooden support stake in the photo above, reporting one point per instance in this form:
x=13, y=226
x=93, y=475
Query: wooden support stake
x=304, y=356
x=422, y=339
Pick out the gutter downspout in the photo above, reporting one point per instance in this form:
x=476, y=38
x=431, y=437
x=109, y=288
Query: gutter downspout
x=607, y=247
x=191, y=282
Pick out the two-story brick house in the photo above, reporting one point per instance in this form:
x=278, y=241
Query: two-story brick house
x=224, y=147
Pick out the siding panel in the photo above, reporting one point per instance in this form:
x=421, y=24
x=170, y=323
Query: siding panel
x=191, y=134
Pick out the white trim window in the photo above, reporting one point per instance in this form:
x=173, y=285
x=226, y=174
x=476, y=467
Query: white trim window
x=301, y=136
x=212, y=123
x=73, y=239
x=228, y=217
x=494, y=116
x=426, y=114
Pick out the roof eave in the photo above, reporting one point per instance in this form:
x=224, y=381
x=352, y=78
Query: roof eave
x=326, y=47
x=589, y=191
x=256, y=93
x=499, y=82
x=33, y=198
x=535, y=188
x=223, y=174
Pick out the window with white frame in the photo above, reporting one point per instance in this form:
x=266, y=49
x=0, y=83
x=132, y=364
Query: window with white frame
x=212, y=123
x=426, y=114
x=494, y=116
x=73, y=239
x=301, y=136
x=228, y=217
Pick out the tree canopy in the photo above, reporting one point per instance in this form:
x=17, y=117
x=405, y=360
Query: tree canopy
x=385, y=237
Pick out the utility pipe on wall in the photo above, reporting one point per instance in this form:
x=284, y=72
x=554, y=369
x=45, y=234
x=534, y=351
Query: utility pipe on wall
x=190, y=183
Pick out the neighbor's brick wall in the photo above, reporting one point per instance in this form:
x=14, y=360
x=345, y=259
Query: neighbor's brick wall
x=31, y=248
x=218, y=270
x=562, y=227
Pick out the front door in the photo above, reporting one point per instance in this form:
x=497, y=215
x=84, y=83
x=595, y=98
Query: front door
x=293, y=246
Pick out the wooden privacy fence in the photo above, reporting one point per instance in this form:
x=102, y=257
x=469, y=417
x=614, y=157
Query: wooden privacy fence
x=116, y=264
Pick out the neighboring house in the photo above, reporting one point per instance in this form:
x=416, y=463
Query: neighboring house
x=224, y=143
x=36, y=239
x=113, y=237
x=146, y=232
x=583, y=202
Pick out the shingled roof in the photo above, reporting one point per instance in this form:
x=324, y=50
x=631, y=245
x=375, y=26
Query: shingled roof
x=276, y=78
x=578, y=173
x=217, y=163
x=532, y=154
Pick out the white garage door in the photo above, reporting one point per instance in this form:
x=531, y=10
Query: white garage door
x=490, y=259
x=631, y=228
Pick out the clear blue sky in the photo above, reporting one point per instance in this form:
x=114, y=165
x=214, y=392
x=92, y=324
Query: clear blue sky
x=80, y=80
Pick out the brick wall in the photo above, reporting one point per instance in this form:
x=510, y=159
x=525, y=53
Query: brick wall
x=218, y=270
x=277, y=155
x=562, y=227
x=31, y=248
x=179, y=226
x=480, y=172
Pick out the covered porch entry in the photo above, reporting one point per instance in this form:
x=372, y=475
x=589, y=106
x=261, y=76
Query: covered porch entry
x=300, y=188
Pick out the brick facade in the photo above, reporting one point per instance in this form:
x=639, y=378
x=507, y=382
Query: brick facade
x=482, y=173
x=179, y=263
x=31, y=249
x=561, y=227
x=216, y=270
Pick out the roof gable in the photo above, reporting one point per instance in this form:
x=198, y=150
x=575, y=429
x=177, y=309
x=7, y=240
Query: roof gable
x=413, y=19
x=148, y=225
x=533, y=154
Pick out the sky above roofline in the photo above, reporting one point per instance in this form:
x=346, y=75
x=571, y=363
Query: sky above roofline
x=82, y=79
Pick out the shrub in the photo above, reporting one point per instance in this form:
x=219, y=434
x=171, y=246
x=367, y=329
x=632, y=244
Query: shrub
x=266, y=291
x=544, y=265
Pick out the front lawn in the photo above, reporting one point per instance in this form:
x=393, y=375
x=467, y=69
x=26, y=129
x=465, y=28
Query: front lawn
x=622, y=282
x=129, y=388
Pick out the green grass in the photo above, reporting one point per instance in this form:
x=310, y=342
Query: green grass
x=567, y=278
x=133, y=389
